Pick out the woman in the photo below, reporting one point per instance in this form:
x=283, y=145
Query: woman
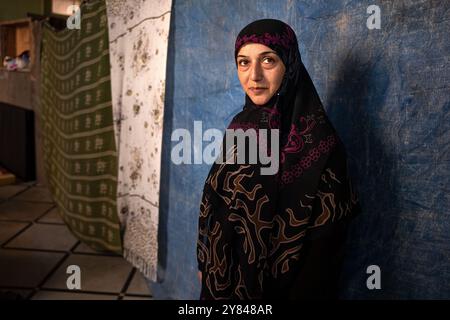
x=281, y=235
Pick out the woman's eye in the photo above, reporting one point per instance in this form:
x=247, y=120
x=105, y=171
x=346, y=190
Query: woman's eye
x=243, y=63
x=268, y=60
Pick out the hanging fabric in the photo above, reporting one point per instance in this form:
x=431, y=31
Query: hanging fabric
x=77, y=128
x=139, y=32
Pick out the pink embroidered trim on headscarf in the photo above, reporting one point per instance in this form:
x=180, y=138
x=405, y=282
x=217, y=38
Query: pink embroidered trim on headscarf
x=286, y=39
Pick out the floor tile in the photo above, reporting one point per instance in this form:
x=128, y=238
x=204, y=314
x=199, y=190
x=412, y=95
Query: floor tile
x=8, y=229
x=136, y=298
x=22, y=211
x=14, y=294
x=98, y=273
x=55, y=295
x=138, y=285
x=44, y=237
x=21, y=268
x=10, y=190
x=36, y=194
x=52, y=216
x=84, y=248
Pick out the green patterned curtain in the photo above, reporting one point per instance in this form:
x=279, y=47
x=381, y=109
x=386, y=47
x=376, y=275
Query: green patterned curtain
x=78, y=133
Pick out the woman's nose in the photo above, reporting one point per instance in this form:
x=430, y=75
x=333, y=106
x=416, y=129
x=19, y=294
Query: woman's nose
x=256, y=72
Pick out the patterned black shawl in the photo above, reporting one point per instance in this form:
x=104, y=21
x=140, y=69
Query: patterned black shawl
x=252, y=227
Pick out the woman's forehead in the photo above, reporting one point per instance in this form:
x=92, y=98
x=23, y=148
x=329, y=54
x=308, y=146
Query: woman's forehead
x=254, y=49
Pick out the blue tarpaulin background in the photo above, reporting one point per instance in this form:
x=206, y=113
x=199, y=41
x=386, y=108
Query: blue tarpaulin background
x=387, y=93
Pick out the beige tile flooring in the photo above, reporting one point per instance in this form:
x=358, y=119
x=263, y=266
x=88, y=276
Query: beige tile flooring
x=36, y=248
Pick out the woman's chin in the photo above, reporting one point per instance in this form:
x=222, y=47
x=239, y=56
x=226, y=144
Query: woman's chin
x=259, y=100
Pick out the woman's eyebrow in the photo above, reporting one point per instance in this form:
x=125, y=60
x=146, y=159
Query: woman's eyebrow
x=260, y=54
x=266, y=52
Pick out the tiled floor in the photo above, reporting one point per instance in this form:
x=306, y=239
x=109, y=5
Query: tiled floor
x=36, y=248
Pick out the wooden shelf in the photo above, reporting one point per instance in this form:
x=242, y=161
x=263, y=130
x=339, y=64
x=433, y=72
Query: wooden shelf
x=21, y=70
x=20, y=88
x=15, y=22
x=15, y=38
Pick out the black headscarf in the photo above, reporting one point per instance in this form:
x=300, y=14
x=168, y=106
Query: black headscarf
x=252, y=227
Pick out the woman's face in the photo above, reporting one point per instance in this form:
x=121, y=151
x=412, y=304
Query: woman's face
x=260, y=71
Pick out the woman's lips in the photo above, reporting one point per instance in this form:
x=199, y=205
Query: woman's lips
x=257, y=90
